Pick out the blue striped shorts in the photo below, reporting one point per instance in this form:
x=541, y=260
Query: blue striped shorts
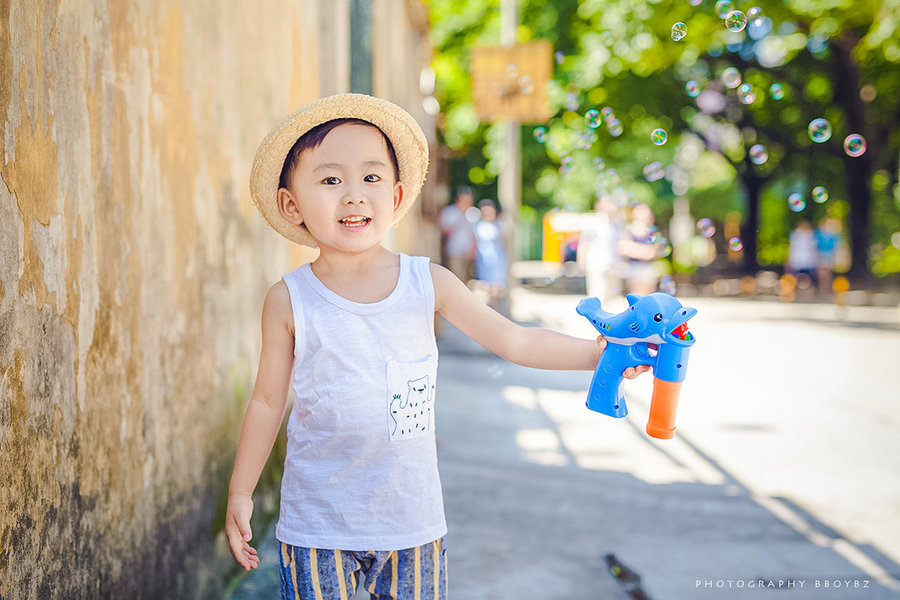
x=315, y=574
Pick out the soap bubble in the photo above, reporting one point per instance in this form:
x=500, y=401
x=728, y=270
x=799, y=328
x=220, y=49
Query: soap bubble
x=796, y=202
x=760, y=27
x=654, y=171
x=494, y=371
x=819, y=194
x=776, y=91
x=746, y=94
x=572, y=101
x=607, y=114
x=692, y=88
x=706, y=227
x=540, y=135
x=758, y=154
x=735, y=244
x=663, y=247
x=667, y=284
x=696, y=2
x=679, y=30
x=854, y=145
x=723, y=7
x=735, y=21
x=560, y=57
x=599, y=164
x=659, y=136
x=754, y=12
x=615, y=128
x=731, y=77
x=592, y=118
x=819, y=130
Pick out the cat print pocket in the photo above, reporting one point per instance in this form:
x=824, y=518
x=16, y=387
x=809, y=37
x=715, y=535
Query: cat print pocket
x=411, y=398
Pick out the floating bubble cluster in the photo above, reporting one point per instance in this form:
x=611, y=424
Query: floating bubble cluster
x=819, y=130
x=819, y=194
x=735, y=21
x=731, y=77
x=599, y=164
x=592, y=118
x=855, y=145
x=692, y=88
x=758, y=154
x=796, y=202
x=706, y=227
x=679, y=30
x=746, y=94
x=615, y=127
x=659, y=136
x=776, y=91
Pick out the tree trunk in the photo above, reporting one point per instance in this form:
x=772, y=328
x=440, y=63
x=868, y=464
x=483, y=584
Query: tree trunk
x=752, y=184
x=858, y=170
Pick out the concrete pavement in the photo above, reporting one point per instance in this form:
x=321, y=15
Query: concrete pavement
x=740, y=504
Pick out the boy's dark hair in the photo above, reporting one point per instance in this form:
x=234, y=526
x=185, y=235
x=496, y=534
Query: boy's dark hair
x=315, y=136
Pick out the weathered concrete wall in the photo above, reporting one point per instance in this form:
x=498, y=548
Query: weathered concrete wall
x=132, y=270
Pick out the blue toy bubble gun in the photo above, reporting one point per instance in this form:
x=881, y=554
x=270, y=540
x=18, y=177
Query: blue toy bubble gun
x=657, y=319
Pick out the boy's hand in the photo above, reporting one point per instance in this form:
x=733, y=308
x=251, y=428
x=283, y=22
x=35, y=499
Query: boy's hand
x=237, y=530
x=630, y=372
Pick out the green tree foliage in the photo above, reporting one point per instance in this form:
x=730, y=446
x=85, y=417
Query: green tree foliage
x=832, y=59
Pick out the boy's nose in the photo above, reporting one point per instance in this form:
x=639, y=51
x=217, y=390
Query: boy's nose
x=354, y=196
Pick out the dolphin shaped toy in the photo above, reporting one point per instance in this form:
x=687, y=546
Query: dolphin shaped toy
x=656, y=319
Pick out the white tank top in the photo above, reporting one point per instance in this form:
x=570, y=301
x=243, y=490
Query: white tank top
x=361, y=466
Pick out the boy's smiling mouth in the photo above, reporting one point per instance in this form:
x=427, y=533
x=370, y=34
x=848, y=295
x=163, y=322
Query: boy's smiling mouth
x=355, y=221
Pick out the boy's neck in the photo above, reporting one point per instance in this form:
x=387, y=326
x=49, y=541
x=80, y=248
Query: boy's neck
x=368, y=277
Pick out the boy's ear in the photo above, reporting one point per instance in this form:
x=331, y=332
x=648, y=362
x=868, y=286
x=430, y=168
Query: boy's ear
x=398, y=195
x=288, y=207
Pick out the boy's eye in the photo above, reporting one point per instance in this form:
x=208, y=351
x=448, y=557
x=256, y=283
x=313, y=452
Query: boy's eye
x=372, y=178
x=331, y=181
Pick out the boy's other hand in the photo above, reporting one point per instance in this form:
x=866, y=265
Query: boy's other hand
x=632, y=372
x=238, y=532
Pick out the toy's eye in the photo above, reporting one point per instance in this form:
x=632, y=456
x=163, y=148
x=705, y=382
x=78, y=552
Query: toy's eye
x=657, y=317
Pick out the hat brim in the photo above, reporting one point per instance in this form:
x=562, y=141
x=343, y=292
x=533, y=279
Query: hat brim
x=407, y=137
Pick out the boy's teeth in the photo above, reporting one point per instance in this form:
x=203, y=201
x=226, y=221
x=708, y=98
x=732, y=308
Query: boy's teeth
x=353, y=220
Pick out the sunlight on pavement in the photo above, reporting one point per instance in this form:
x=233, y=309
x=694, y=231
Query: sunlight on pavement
x=596, y=442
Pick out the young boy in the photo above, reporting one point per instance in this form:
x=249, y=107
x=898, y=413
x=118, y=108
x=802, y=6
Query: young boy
x=352, y=333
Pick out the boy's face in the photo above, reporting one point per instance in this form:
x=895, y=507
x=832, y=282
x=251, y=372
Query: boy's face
x=344, y=190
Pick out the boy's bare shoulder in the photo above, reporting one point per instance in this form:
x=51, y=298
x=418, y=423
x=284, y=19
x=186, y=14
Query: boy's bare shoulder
x=278, y=302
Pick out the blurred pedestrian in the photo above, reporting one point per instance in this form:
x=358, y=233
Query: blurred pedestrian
x=638, y=249
x=597, y=250
x=491, y=263
x=457, y=222
x=803, y=254
x=828, y=240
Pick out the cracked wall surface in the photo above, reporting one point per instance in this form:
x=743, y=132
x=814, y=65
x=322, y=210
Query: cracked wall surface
x=132, y=271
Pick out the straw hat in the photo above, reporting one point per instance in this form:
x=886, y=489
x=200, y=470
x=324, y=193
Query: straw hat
x=405, y=134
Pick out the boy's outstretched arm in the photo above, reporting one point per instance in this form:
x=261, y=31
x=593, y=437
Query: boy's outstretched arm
x=261, y=421
x=528, y=346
